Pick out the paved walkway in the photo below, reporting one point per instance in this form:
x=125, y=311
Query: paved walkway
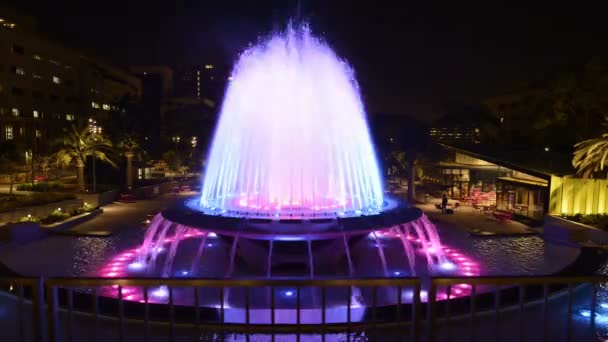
x=469, y=220
x=119, y=216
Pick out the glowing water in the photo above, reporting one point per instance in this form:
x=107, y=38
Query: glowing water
x=292, y=139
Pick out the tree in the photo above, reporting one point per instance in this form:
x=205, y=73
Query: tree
x=129, y=146
x=590, y=155
x=78, y=144
x=10, y=158
x=46, y=165
x=173, y=161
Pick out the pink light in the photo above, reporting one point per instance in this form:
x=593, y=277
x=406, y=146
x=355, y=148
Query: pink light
x=111, y=274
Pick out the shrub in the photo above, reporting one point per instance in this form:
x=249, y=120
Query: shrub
x=40, y=187
x=56, y=216
x=29, y=218
x=595, y=220
x=88, y=207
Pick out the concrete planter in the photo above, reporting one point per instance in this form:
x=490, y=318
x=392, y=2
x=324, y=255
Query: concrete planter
x=21, y=232
x=72, y=221
x=560, y=230
x=99, y=199
x=39, y=210
x=151, y=191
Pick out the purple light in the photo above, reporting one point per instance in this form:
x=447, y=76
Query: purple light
x=447, y=266
x=161, y=292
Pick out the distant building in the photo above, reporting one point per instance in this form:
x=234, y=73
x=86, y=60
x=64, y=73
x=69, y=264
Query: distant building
x=455, y=134
x=526, y=182
x=157, y=84
x=206, y=82
x=45, y=87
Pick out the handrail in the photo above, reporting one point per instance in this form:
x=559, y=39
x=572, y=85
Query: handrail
x=519, y=288
x=233, y=282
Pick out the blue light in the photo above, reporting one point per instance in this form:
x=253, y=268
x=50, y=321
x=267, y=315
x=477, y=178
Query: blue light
x=585, y=313
x=136, y=266
x=210, y=244
x=288, y=293
x=289, y=238
x=447, y=266
x=604, y=305
x=398, y=273
x=212, y=235
x=184, y=273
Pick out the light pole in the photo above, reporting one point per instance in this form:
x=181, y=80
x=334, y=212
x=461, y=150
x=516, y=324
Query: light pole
x=94, y=129
x=176, y=140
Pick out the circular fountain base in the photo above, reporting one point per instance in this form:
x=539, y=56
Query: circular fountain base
x=300, y=229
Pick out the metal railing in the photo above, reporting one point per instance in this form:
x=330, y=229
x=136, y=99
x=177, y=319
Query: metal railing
x=77, y=305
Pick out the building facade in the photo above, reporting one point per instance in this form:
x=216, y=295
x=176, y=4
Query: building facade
x=45, y=87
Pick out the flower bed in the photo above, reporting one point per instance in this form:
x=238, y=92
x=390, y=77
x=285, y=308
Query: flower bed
x=10, y=202
x=599, y=221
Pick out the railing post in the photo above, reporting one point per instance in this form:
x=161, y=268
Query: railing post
x=430, y=319
x=38, y=310
x=415, y=332
x=51, y=303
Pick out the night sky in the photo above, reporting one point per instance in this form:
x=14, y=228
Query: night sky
x=409, y=59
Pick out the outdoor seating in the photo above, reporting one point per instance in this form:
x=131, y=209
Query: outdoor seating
x=502, y=216
x=126, y=198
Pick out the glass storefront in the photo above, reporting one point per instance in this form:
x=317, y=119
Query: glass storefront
x=521, y=199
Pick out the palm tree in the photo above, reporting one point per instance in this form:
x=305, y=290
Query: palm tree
x=79, y=143
x=129, y=145
x=590, y=155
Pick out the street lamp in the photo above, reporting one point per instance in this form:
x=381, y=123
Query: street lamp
x=94, y=130
x=176, y=140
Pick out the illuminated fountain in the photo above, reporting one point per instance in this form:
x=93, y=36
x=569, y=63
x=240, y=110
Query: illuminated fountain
x=292, y=139
x=292, y=189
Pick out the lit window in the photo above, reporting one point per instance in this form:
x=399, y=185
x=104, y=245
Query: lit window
x=15, y=111
x=8, y=132
x=52, y=61
x=9, y=25
x=106, y=106
x=38, y=133
x=67, y=66
x=208, y=66
x=69, y=117
x=37, y=76
x=95, y=104
x=198, y=78
x=21, y=131
x=37, y=57
x=19, y=70
x=36, y=114
x=56, y=80
x=198, y=72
